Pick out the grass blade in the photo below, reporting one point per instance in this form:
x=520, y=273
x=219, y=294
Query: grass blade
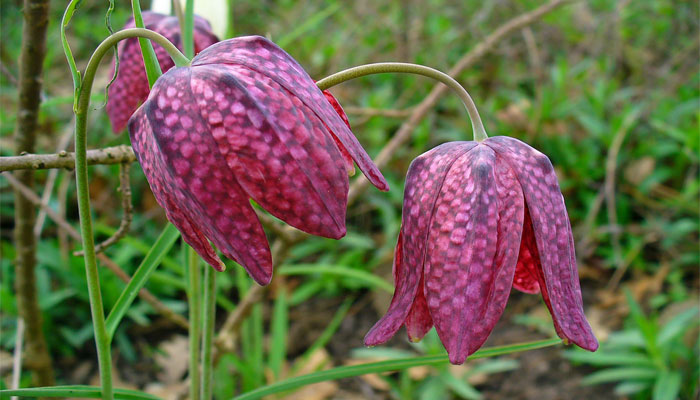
x=162, y=245
x=384, y=366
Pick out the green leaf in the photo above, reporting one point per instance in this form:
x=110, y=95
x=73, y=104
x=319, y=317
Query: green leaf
x=667, y=385
x=631, y=387
x=677, y=325
x=619, y=374
x=79, y=391
x=162, y=245
x=150, y=60
x=372, y=281
x=67, y=15
x=188, y=29
x=279, y=328
x=385, y=366
x=462, y=388
x=308, y=24
x=603, y=359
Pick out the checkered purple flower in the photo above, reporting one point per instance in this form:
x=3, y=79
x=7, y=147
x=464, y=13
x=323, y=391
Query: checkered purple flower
x=245, y=121
x=131, y=86
x=478, y=219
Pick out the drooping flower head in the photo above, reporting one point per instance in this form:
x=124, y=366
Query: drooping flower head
x=245, y=121
x=131, y=85
x=478, y=219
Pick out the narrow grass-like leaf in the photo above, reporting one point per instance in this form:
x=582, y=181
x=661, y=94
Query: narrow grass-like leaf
x=153, y=71
x=76, y=391
x=385, y=366
x=162, y=245
x=602, y=359
x=308, y=24
x=77, y=80
x=310, y=269
x=667, y=385
x=279, y=328
x=462, y=388
x=326, y=335
x=678, y=325
x=619, y=374
x=188, y=30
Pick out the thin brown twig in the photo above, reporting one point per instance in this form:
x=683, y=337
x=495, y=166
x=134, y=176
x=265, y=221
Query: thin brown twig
x=109, y=155
x=111, y=265
x=125, y=190
x=63, y=144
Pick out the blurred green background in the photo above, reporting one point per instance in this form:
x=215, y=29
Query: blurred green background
x=609, y=90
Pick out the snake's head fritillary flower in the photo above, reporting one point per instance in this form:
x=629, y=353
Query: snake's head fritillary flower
x=478, y=219
x=130, y=88
x=243, y=122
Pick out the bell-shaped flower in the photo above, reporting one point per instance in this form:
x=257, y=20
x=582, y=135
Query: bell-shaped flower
x=130, y=88
x=245, y=121
x=478, y=219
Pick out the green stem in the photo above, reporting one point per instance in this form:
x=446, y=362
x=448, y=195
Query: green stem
x=188, y=29
x=393, y=67
x=208, y=334
x=195, y=302
x=81, y=174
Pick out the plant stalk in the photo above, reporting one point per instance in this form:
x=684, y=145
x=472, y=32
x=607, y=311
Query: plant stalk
x=102, y=338
x=394, y=67
x=194, y=299
x=209, y=318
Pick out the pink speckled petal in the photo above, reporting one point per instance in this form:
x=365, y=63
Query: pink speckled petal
x=210, y=191
x=161, y=182
x=418, y=320
x=346, y=156
x=279, y=151
x=267, y=58
x=423, y=182
x=131, y=86
x=472, y=250
x=550, y=223
x=525, y=279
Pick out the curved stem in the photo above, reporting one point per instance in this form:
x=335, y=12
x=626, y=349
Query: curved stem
x=102, y=339
x=380, y=68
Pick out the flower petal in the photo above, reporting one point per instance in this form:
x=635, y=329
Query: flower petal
x=163, y=188
x=418, y=321
x=472, y=250
x=209, y=189
x=346, y=156
x=552, y=232
x=276, y=147
x=131, y=85
x=423, y=182
x=525, y=278
x=265, y=57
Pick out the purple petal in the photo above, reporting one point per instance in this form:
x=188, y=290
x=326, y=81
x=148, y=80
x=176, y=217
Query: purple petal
x=164, y=190
x=265, y=57
x=208, y=188
x=130, y=88
x=350, y=167
x=550, y=224
x=472, y=250
x=423, y=182
x=418, y=321
x=276, y=147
